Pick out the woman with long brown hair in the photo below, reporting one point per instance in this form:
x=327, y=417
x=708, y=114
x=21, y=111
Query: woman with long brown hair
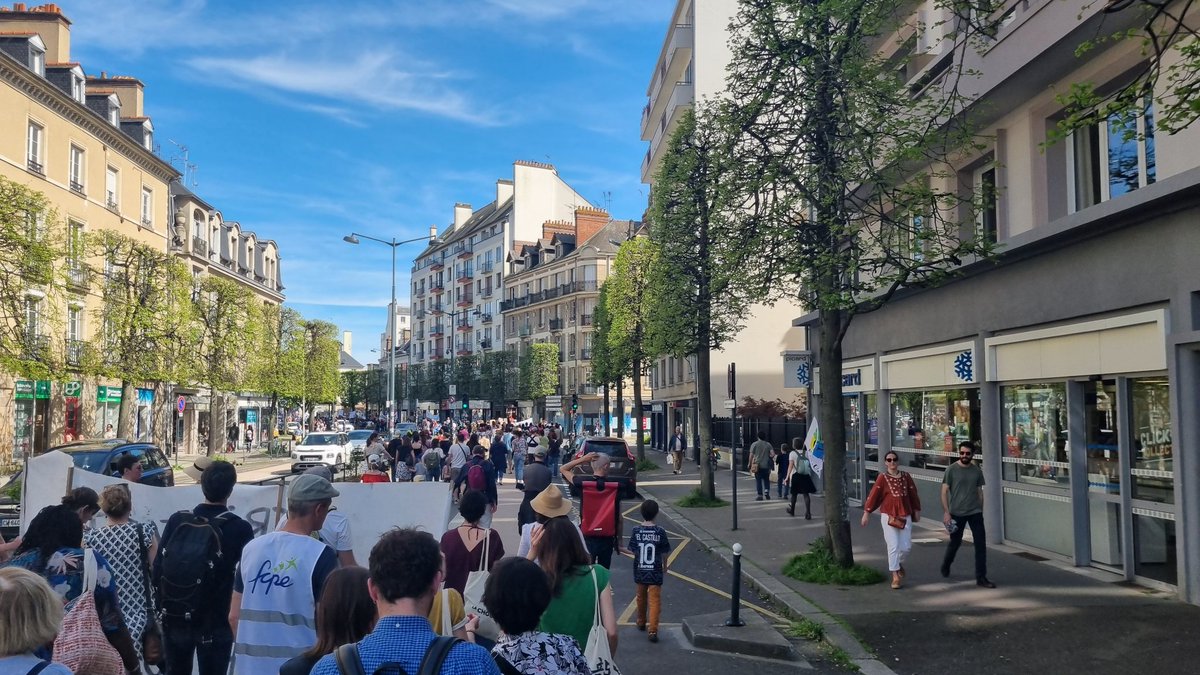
x=575, y=584
x=345, y=614
x=895, y=496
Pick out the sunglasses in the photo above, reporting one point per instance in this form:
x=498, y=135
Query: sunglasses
x=890, y=459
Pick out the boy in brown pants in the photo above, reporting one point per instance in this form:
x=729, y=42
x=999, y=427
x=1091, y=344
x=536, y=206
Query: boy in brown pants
x=650, y=547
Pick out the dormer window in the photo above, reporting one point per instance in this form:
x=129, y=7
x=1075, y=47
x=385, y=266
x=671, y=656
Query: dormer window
x=37, y=60
x=114, y=115
x=78, y=88
x=148, y=139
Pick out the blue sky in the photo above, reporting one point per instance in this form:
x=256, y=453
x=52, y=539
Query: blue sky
x=308, y=120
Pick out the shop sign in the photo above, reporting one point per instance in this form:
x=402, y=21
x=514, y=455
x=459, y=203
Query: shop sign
x=108, y=394
x=24, y=389
x=41, y=389
x=72, y=389
x=797, y=370
x=656, y=407
x=251, y=416
x=145, y=396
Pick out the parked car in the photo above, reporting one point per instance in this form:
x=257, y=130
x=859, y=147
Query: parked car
x=98, y=456
x=622, y=463
x=358, y=438
x=321, y=448
x=402, y=428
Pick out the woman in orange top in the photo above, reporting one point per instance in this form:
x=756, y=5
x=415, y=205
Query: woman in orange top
x=376, y=470
x=895, y=496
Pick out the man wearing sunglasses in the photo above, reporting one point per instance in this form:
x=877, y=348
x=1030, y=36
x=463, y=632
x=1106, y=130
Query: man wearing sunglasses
x=962, y=502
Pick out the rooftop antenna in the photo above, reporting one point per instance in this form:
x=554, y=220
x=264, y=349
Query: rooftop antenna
x=187, y=168
x=607, y=197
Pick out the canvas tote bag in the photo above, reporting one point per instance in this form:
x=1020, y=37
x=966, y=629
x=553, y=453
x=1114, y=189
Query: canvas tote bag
x=598, y=656
x=473, y=593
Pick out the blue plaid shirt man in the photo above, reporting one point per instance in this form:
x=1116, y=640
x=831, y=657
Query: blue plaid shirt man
x=403, y=640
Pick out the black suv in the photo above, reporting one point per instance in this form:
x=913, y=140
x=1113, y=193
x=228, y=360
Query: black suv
x=622, y=464
x=97, y=456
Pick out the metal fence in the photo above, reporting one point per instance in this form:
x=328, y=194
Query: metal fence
x=778, y=429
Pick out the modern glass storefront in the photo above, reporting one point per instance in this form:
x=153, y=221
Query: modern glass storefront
x=108, y=411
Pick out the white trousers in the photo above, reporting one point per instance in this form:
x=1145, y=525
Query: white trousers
x=899, y=542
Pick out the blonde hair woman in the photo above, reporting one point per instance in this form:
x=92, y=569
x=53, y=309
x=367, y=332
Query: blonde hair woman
x=30, y=614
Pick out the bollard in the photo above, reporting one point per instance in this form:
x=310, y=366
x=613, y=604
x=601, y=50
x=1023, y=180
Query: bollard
x=735, y=619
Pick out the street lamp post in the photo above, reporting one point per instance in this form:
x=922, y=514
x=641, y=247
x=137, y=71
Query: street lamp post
x=353, y=238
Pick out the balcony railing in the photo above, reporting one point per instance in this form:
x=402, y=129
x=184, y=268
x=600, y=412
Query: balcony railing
x=437, y=265
x=585, y=319
x=75, y=352
x=111, y=202
x=465, y=277
x=36, y=167
x=486, y=267
x=436, y=309
x=585, y=354
x=199, y=246
x=485, y=318
x=463, y=250
x=556, y=324
x=78, y=188
x=77, y=274
x=437, y=330
x=590, y=390
x=525, y=331
x=464, y=350
x=463, y=326
x=485, y=344
x=437, y=288
x=465, y=300
x=147, y=223
x=486, y=292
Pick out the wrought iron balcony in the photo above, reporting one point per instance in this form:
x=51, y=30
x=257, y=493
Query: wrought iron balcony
x=465, y=277
x=463, y=250
x=585, y=354
x=556, y=324
x=78, y=274
x=486, y=267
x=78, y=189
x=75, y=350
x=485, y=318
x=437, y=265
x=486, y=292
x=485, y=344
x=36, y=167
x=35, y=346
x=585, y=319
x=199, y=246
x=463, y=326
x=437, y=330
x=525, y=330
x=465, y=301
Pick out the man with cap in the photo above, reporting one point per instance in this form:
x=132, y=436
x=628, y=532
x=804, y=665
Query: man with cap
x=279, y=580
x=537, y=478
x=336, y=530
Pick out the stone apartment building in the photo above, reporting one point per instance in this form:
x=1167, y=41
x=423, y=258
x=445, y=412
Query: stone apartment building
x=86, y=143
x=458, y=282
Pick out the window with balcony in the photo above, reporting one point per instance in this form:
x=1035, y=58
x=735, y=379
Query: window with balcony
x=1111, y=158
x=147, y=207
x=74, y=335
x=77, y=169
x=984, y=188
x=112, y=181
x=35, y=138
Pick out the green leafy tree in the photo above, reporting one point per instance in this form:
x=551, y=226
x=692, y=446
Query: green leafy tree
x=277, y=369
x=699, y=287
x=498, y=376
x=606, y=367
x=841, y=173
x=146, y=318
x=466, y=375
x=435, y=377
x=322, y=353
x=625, y=302
x=33, y=257
x=539, y=371
x=228, y=326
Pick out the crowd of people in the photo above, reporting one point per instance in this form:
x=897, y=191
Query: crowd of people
x=207, y=594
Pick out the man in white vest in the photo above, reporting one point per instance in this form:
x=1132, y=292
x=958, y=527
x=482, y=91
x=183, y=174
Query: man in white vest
x=278, y=583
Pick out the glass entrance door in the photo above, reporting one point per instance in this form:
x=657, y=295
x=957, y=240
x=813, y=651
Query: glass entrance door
x=1104, y=473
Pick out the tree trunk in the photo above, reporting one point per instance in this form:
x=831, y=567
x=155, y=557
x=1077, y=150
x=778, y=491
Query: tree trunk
x=708, y=486
x=639, y=421
x=620, y=398
x=217, y=428
x=127, y=411
x=833, y=436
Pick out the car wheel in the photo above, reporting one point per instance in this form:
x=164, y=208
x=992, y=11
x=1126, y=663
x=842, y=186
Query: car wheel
x=295, y=469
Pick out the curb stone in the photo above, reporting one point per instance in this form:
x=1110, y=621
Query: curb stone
x=835, y=633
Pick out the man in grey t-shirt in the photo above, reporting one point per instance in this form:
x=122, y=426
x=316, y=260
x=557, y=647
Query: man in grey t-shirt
x=962, y=503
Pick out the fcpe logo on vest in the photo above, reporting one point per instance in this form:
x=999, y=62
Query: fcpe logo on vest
x=272, y=578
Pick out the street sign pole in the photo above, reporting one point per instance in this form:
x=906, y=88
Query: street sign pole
x=733, y=438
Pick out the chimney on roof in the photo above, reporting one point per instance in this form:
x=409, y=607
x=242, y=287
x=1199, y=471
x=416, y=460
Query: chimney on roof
x=461, y=213
x=347, y=341
x=504, y=190
x=589, y=221
x=129, y=90
x=49, y=24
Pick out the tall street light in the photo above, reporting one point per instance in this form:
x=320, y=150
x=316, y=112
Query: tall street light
x=353, y=238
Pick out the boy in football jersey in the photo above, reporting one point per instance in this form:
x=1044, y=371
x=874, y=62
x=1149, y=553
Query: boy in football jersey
x=650, y=547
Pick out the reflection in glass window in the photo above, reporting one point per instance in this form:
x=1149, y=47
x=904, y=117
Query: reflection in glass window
x=1103, y=453
x=927, y=426
x=1153, y=451
x=1034, y=426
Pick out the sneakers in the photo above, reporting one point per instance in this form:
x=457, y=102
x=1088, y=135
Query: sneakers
x=983, y=581
x=758, y=498
x=653, y=637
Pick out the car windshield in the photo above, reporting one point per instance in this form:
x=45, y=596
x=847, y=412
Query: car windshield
x=93, y=461
x=320, y=439
x=359, y=435
x=610, y=448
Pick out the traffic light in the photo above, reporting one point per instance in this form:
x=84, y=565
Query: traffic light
x=574, y=402
x=466, y=403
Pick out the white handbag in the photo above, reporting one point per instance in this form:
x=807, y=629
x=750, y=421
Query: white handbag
x=597, y=654
x=473, y=594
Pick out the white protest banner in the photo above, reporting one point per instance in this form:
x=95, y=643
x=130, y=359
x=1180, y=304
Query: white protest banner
x=375, y=508
x=816, y=449
x=44, y=483
x=257, y=504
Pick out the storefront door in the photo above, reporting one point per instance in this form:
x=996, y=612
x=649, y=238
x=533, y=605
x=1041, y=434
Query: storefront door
x=852, y=409
x=1104, y=472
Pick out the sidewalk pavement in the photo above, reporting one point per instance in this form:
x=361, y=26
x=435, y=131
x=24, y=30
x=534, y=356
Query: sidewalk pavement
x=254, y=466
x=1043, y=616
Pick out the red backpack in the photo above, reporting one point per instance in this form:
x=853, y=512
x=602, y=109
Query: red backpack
x=599, y=508
x=476, y=477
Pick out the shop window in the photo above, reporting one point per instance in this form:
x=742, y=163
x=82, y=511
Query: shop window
x=1034, y=427
x=928, y=425
x=1103, y=453
x=1152, y=465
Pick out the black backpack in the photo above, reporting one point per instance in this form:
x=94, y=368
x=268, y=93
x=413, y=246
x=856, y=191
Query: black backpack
x=188, y=566
x=349, y=662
